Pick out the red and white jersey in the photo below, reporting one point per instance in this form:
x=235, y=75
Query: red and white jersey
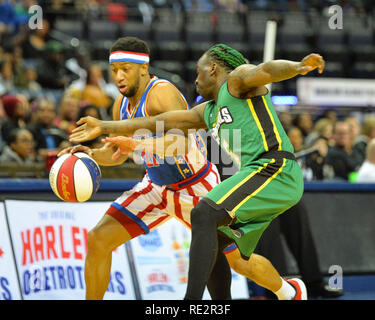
x=168, y=170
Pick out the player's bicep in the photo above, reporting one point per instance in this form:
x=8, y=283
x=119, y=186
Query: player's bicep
x=189, y=119
x=163, y=98
x=247, y=77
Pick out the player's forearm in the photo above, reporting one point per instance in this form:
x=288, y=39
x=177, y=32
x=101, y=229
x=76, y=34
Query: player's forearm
x=246, y=77
x=279, y=70
x=156, y=124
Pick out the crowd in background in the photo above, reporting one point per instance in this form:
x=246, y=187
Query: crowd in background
x=333, y=147
x=42, y=95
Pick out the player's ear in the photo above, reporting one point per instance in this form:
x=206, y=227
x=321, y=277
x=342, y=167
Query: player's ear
x=213, y=68
x=144, y=69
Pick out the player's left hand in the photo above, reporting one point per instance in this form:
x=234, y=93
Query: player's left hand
x=311, y=62
x=89, y=128
x=124, y=145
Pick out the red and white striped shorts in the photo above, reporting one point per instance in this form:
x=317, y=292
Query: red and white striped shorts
x=148, y=205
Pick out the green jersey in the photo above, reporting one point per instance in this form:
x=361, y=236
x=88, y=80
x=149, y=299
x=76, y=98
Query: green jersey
x=245, y=128
x=266, y=184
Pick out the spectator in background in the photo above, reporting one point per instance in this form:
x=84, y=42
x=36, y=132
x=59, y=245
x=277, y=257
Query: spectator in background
x=19, y=67
x=368, y=129
x=67, y=113
x=89, y=110
x=93, y=92
x=366, y=173
x=304, y=122
x=35, y=44
x=47, y=137
x=20, y=147
x=31, y=77
x=52, y=73
x=286, y=119
x=322, y=129
x=331, y=115
x=7, y=20
x=6, y=76
x=311, y=160
x=359, y=142
x=341, y=157
x=17, y=109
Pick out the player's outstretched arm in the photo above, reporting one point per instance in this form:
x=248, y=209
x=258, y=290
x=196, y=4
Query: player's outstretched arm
x=247, y=77
x=169, y=145
x=103, y=156
x=183, y=120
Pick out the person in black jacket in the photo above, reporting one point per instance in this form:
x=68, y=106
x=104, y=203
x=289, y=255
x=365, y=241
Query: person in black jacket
x=342, y=157
x=47, y=137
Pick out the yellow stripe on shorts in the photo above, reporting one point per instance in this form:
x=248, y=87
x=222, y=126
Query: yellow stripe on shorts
x=261, y=187
x=221, y=200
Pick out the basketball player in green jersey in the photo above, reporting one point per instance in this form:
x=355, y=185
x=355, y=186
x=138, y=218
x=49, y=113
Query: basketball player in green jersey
x=241, y=116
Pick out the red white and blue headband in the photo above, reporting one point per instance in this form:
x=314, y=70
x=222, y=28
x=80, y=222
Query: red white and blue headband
x=127, y=56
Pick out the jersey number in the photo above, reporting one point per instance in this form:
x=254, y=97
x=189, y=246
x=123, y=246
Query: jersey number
x=225, y=115
x=150, y=159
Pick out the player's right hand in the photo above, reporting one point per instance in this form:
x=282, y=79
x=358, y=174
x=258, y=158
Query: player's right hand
x=311, y=62
x=89, y=129
x=78, y=148
x=124, y=145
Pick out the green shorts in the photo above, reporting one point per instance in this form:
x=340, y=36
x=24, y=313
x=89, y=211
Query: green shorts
x=254, y=196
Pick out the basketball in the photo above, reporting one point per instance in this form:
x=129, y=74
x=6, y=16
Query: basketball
x=75, y=177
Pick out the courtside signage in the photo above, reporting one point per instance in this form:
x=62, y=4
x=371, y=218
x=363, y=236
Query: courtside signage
x=161, y=260
x=336, y=91
x=9, y=287
x=50, y=245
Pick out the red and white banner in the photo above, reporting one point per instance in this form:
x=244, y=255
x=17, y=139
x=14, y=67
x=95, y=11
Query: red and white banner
x=161, y=261
x=9, y=287
x=50, y=243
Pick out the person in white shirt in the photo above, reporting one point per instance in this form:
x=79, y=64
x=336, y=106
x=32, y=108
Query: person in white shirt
x=366, y=172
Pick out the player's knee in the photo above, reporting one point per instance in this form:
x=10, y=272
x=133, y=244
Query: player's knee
x=97, y=241
x=199, y=214
x=205, y=214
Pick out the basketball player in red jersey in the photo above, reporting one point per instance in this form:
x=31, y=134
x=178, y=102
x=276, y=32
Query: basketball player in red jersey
x=169, y=189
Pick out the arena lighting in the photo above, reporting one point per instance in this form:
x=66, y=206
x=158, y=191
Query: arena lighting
x=284, y=100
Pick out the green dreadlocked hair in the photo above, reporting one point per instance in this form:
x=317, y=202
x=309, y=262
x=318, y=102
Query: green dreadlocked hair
x=229, y=57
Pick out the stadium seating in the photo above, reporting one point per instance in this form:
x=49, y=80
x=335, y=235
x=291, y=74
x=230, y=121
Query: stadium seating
x=177, y=40
x=135, y=29
x=69, y=27
x=103, y=30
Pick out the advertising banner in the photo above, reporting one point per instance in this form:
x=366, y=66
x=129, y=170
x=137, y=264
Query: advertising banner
x=336, y=91
x=162, y=261
x=9, y=286
x=50, y=244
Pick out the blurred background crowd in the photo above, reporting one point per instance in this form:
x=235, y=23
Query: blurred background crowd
x=52, y=76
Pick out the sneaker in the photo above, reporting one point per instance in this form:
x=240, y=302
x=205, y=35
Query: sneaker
x=299, y=286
